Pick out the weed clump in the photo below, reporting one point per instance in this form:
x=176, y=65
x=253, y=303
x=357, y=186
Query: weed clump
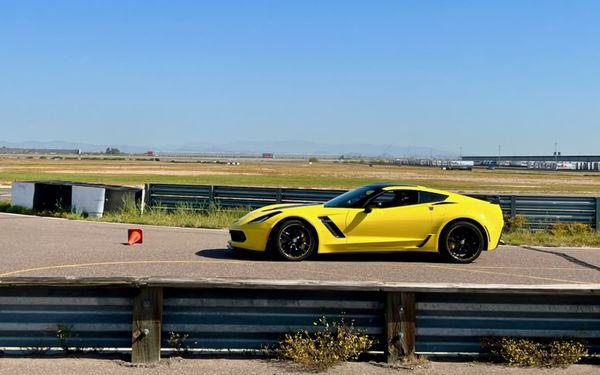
x=326, y=347
x=515, y=224
x=528, y=352
x=570, y=229
x=178, y=341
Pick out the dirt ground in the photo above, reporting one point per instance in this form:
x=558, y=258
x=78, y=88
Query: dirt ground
x=93, y=366
x=324, y=174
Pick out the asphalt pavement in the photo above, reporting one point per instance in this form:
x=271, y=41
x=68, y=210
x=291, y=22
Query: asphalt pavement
x=36, y=246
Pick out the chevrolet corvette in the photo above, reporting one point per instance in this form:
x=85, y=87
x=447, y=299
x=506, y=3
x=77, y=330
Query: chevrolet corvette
x=382, y=217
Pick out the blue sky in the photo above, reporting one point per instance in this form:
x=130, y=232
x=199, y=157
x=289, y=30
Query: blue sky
x=440, y=74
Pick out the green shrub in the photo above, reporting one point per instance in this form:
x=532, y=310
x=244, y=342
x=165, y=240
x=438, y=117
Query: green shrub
x=313, y=160
x=534, y=353
x=328, y=346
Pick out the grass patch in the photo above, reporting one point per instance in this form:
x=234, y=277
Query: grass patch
x=534, y=353
x=183, y=216
x=331, y=344
x=560, y=234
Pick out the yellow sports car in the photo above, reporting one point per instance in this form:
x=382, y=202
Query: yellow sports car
x=375, y=218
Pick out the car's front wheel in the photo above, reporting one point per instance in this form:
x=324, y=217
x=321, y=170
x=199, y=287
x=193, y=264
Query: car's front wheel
x=461, y=242
x=294, y=240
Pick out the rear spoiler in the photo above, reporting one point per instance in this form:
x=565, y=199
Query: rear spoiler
x=494, y=199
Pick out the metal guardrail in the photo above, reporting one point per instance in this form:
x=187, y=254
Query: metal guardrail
x=200, y=196
x=139, y=314
x=31, y=318
x=456, y=322
x=540, y=211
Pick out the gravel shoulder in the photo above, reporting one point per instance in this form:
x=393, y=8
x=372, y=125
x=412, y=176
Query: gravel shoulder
x=93, y=366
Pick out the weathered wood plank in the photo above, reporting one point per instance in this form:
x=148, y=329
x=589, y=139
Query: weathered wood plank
x=408, y=315
x=147, y=325
x=393, y=327
x=563, y=289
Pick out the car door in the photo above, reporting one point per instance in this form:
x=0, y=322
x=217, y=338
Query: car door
x=393, y=220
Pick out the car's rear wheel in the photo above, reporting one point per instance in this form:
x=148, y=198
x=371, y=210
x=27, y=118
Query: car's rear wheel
x=294, y=240
x=461, y=242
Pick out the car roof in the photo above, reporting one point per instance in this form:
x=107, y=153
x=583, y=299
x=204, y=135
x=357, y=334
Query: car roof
x=402, y=186
x=382, y=185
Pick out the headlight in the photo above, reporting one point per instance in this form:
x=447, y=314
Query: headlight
x=262, y=218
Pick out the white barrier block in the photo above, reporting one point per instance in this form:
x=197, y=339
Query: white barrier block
x=22, y=194
x=88, y=199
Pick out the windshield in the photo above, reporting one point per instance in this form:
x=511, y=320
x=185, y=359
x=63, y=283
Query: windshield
x=354, y=198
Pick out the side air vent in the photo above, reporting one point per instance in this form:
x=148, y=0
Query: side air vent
x=334, y=229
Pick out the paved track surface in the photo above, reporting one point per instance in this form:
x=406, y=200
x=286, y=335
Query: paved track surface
x=34, y=246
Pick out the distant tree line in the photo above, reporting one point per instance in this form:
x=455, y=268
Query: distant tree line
x=112, y=151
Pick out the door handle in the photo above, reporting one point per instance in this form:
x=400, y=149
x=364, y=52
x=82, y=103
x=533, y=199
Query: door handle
x=430, y=208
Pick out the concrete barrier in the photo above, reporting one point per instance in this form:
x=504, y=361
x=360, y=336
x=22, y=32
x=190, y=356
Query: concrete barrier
x=92, y=199
x=22, y=194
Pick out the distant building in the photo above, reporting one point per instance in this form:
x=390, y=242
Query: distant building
x=46, y=151
x=267, y=155
x=542, y=158
x=150, y=153
x=550, y=162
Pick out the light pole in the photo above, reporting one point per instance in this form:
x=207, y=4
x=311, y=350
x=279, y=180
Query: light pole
x=499, y=149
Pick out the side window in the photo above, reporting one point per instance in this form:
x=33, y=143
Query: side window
x=397, y=198
x=427, y=197
x=385, y=199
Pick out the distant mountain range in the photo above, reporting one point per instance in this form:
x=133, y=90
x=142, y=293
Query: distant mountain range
x=312, y=148
x=250, y=147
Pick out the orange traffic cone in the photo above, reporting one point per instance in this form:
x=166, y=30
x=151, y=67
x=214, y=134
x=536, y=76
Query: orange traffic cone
x=135, y=235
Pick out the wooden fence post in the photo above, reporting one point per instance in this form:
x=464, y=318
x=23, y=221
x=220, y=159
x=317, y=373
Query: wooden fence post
x=393, y=330
x=400, y=325
x=147, y=325
x=407, y=324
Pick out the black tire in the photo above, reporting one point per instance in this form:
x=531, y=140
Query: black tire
x=294, y=240
x=461, y=242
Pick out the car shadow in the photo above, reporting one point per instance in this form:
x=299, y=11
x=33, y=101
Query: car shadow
x=565, y=256
x=401, y=256
x=224, y=253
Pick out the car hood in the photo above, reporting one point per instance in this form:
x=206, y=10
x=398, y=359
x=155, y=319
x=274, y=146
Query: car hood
x=283, y=207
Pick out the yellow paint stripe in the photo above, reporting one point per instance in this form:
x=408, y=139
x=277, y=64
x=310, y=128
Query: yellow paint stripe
x=534, y=268
x=62, y=266
x=508, y=274
x=410, y=264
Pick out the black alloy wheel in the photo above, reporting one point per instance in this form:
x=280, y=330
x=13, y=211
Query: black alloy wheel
x=462, y=242
x=295, y=241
